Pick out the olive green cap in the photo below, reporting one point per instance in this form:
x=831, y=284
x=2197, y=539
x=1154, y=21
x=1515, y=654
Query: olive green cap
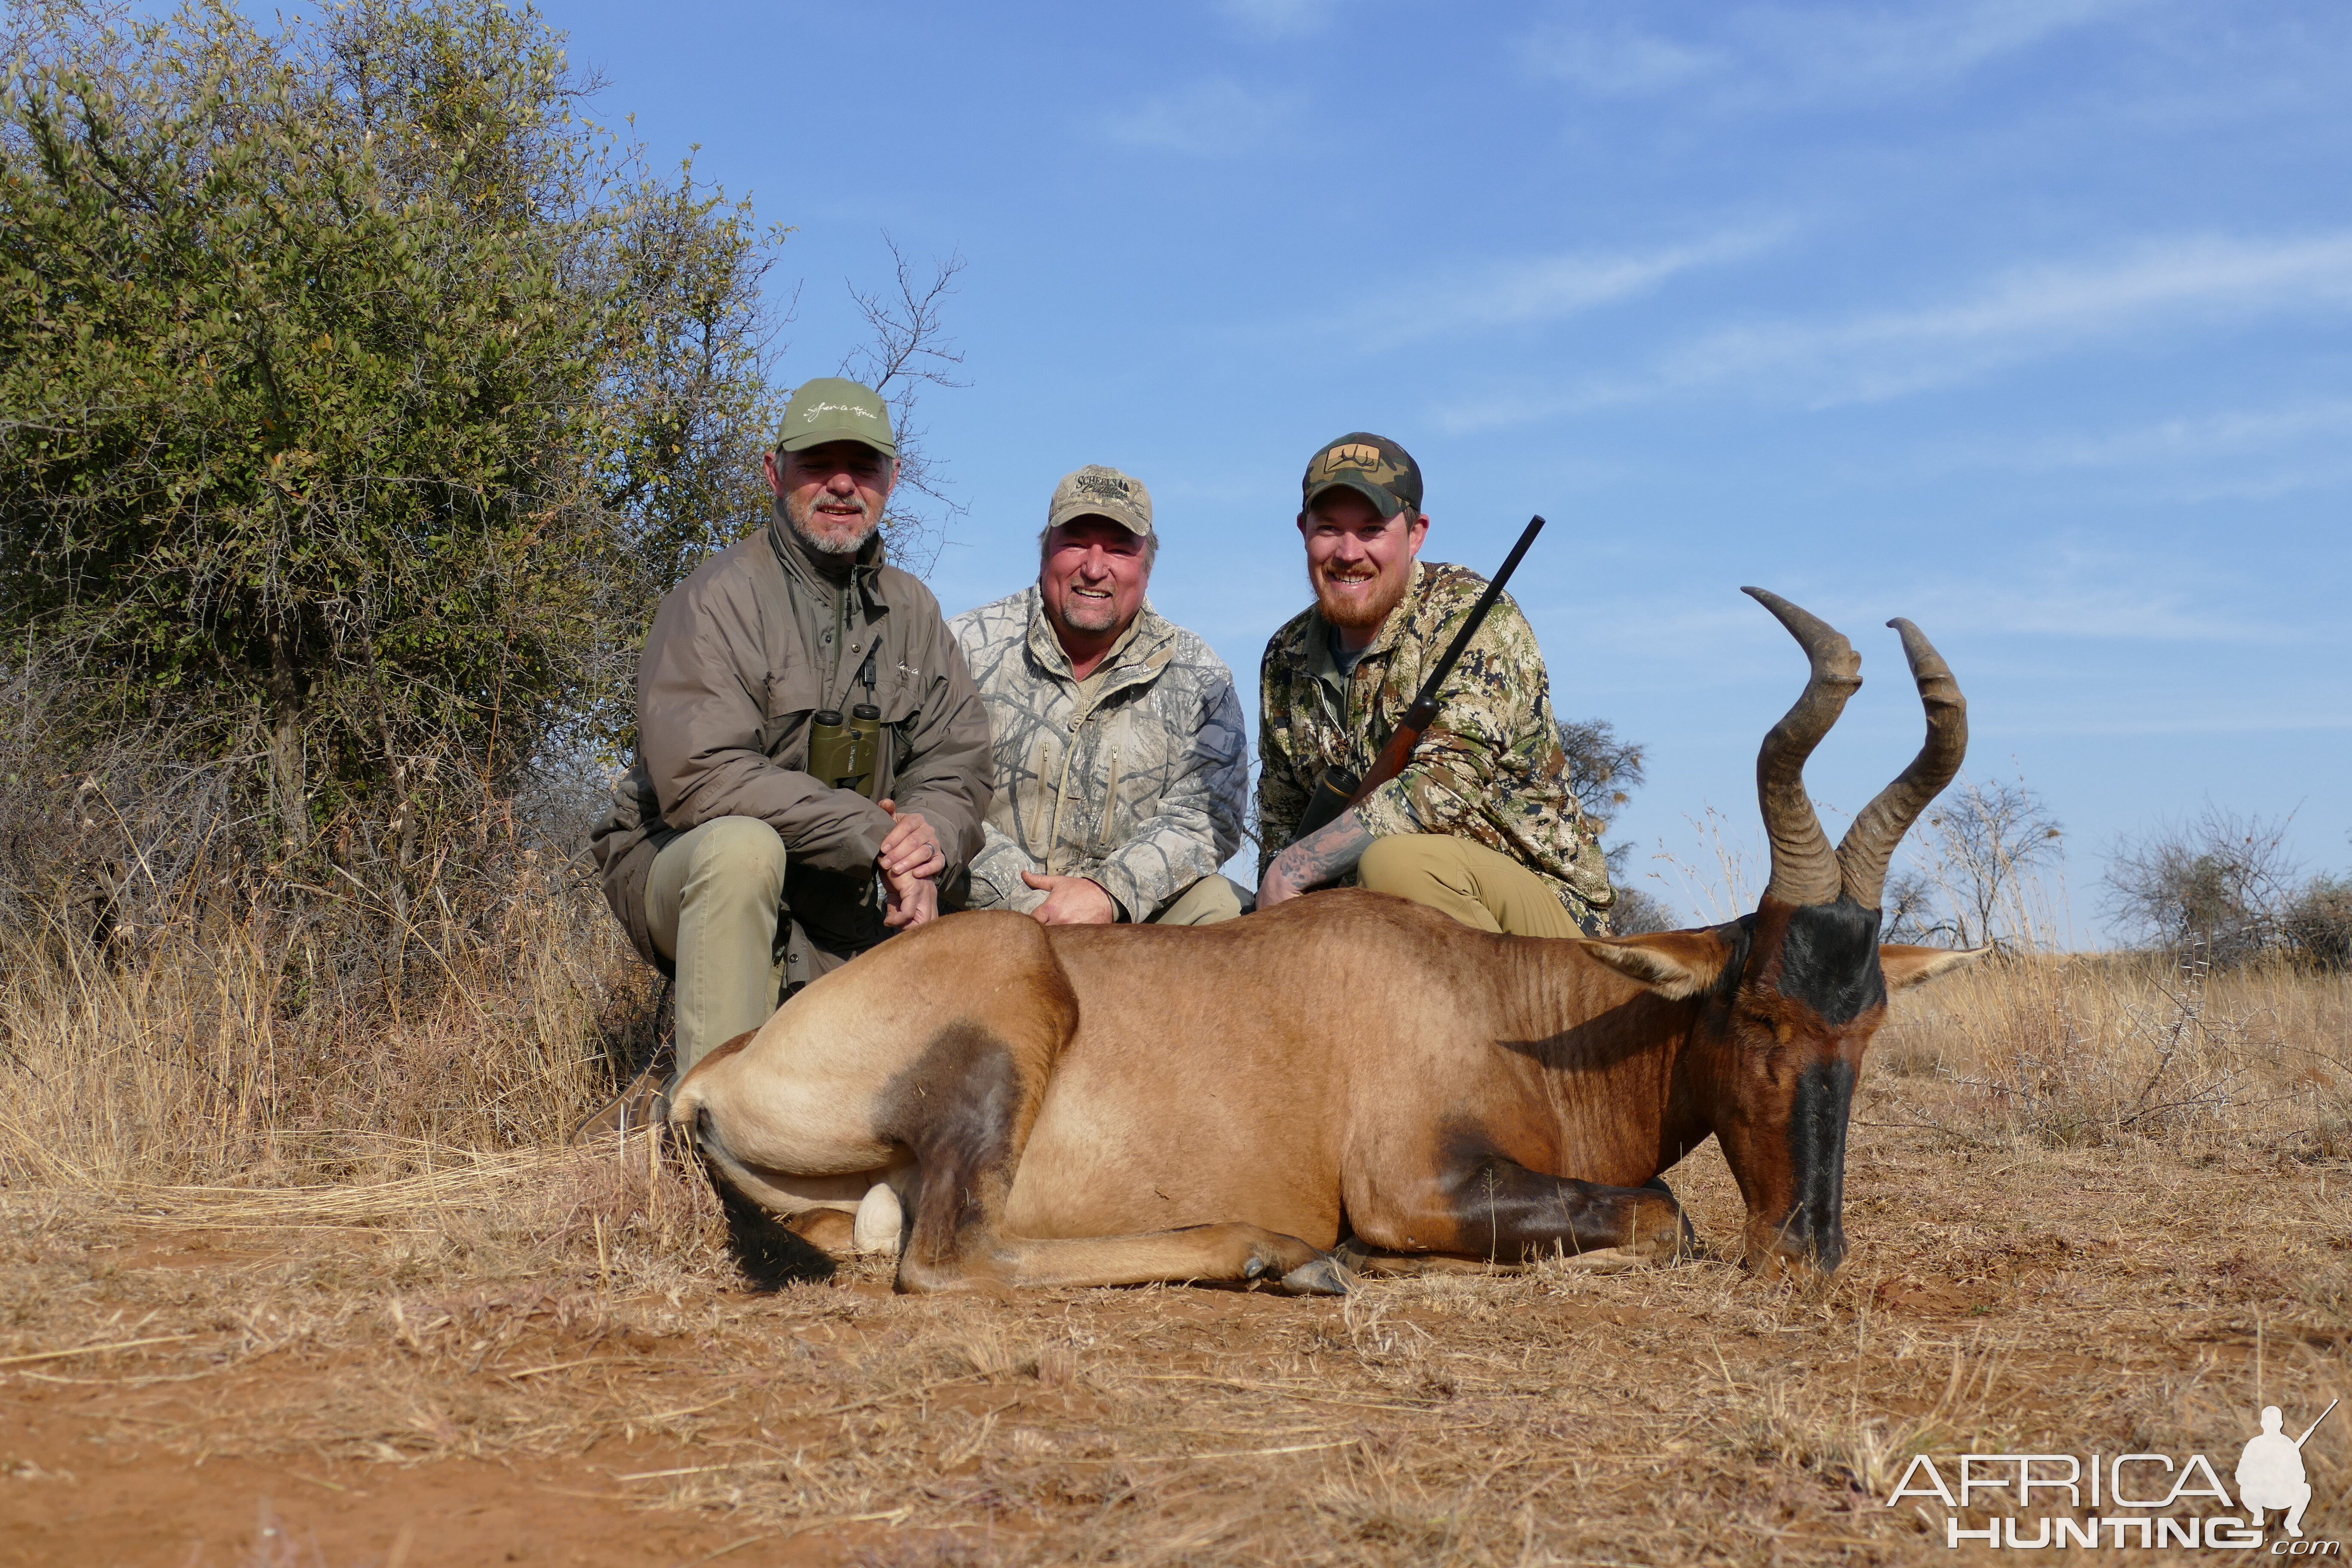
x=831, y=408
x=1372, y=466
x=1096, y=491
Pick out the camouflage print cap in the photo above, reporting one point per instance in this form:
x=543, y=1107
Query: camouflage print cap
x=1372, y=466
x=832, y=409
x=1096, y=491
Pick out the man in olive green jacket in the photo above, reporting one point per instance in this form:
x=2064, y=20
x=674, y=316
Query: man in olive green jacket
x=735, y=869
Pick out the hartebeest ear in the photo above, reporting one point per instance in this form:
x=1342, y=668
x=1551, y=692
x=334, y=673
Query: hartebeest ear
x=1905, y=966
x=1673, y=963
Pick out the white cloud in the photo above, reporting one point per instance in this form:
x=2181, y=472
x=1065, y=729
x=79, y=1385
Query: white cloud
x=2236, y=433
x=2066, y=591
x=1215, y=117
x=1612, y=60
x=1522, y=293
x=2027, y=314
x=1280, y=19
x=1769, y=55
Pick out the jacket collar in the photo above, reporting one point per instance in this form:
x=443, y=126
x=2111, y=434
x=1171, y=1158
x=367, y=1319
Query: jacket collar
x=1147, y=652
x=793, y=557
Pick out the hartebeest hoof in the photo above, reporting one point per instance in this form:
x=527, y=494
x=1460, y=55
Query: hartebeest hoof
x=1323, y=1276
x=880, y=1221
x=1660, y=1231
x=1290, y=1264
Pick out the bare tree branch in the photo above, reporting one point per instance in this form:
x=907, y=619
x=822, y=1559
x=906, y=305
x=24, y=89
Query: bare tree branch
x=909, y=350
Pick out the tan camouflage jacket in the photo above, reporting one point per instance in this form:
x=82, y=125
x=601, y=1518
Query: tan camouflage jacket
x=1143, y=791
x=1490, y=769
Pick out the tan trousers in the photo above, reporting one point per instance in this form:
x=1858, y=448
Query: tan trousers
x=713, y=902
x=1205, y=903
x=1476, y=885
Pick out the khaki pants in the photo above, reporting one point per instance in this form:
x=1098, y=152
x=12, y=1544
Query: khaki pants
x=1476, y=885
x=1205, y=903
x=713, y=903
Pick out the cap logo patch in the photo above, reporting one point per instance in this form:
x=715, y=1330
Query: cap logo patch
x=1354, y=454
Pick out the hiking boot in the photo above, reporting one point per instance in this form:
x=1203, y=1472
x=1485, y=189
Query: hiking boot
x=645, y=1103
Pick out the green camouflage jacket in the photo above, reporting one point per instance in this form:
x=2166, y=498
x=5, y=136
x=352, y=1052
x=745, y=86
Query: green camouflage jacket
x=1490, y=769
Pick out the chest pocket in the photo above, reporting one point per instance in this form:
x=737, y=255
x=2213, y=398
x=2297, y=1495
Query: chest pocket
x=902, y=694
x=794, y=694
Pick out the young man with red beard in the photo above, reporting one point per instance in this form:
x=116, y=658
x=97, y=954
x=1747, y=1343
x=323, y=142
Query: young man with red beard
x=1482, y=823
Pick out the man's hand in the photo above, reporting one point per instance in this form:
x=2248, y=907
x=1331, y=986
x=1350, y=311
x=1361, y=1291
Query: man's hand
x=1326, y=855
x=912, y=848
x=1072, y=902
x=1278, y=885
x=911, y=900
x=910, y=861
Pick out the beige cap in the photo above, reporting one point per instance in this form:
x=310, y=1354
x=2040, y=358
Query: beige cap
x=1096, y=491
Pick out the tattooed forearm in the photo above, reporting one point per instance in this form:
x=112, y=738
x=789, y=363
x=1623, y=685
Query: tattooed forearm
x=1324, y=855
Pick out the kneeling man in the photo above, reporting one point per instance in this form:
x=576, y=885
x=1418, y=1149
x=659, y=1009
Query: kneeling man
x=1482, y=823
x=811, y=766
x=1121, y=769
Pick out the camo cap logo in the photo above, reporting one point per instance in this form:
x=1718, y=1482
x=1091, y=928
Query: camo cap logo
x=1099, y=492
x=1353, y=455
x=1372, y=466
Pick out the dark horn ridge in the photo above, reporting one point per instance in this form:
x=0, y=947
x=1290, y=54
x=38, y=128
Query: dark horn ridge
x=1805, y=870
x=1870, y=843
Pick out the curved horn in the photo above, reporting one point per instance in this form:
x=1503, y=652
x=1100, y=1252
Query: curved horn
x=1804, y=869
x=1868, y=844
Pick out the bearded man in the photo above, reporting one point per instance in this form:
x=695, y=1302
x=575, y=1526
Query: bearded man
x=812, y=763
x=1122, y=767
x=1481, y=823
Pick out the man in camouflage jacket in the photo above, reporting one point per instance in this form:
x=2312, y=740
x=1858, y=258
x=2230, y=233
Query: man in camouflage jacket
x=1121, y=770
x=1481, y=823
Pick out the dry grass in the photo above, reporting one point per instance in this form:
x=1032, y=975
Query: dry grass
x=2090, y=1206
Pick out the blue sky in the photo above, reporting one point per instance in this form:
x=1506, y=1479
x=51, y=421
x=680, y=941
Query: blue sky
x=2030, y=319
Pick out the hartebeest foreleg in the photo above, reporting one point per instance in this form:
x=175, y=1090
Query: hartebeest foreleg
x=1484, y=1206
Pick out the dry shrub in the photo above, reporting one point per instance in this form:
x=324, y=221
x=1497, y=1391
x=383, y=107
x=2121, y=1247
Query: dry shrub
x=237, y=1050
x=2072, y=1051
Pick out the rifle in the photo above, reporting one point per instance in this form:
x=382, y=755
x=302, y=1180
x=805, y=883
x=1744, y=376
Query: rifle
x=1339, y=788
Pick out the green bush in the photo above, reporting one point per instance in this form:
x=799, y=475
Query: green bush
x=358, y=402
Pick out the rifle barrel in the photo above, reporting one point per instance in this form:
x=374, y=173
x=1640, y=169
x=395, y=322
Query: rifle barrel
x=1445, y=666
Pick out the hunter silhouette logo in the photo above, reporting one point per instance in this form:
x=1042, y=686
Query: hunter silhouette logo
x=2270, y=1472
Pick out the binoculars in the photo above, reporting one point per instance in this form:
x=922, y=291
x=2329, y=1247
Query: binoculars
x=842, y=754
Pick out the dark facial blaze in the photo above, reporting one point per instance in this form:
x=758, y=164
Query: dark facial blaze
x=1819, y=989
x=1829, y=960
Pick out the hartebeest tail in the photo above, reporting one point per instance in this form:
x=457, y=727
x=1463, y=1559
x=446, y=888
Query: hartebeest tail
x=1007, y=1102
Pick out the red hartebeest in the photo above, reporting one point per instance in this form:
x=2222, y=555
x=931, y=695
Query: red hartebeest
x=1085, y=1105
